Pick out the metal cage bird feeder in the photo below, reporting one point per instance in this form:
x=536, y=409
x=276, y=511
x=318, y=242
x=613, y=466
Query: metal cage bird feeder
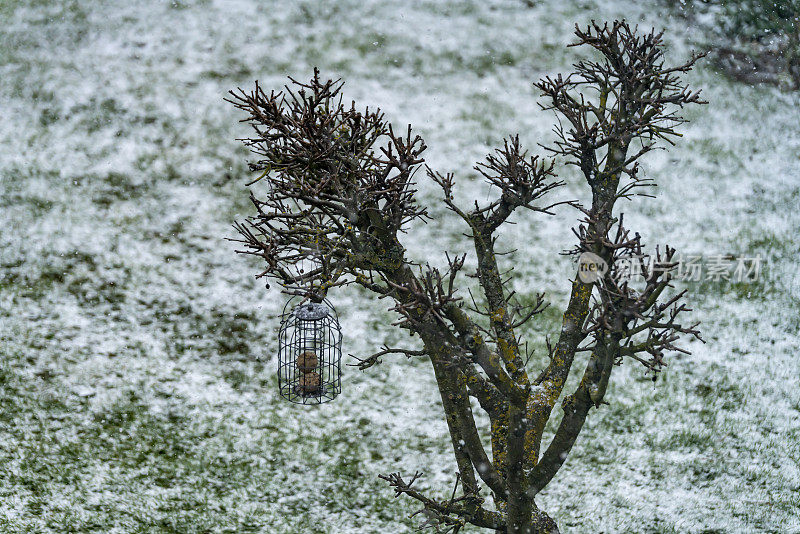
x=309, y=353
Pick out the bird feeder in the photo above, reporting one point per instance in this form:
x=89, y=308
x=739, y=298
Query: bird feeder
x=309, y=353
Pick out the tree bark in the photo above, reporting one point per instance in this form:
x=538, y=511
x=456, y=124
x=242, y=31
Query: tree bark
x=539, y=523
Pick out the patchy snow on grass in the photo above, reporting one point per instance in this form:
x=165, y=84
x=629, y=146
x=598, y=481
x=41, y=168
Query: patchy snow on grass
x=137, y=377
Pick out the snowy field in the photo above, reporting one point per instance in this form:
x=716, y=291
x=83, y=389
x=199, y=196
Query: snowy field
x=137, y=368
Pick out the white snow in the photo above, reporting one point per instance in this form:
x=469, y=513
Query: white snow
x=137, y=384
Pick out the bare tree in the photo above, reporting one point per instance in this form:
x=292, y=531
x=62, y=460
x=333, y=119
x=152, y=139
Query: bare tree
x=341, y=193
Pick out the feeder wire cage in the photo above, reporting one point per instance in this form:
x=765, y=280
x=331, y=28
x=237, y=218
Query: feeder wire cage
x=309, y=353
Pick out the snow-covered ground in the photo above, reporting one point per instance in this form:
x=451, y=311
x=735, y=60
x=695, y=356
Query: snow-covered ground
x=137, y=389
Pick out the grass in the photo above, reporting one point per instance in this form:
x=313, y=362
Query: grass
x=137, y=386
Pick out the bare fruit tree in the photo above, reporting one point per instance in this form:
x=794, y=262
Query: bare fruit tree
x=341, y=193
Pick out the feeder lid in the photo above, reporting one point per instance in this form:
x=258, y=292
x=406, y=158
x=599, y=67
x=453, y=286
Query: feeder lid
x=311, y=311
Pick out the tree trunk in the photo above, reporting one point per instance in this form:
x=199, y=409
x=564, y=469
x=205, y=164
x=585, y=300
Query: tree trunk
x=543, y=525
x=538, y=523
